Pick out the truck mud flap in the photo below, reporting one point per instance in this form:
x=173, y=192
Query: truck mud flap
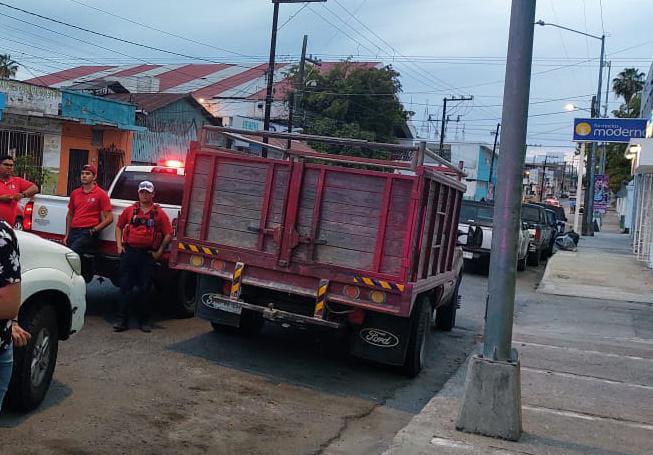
x=382, y=338
x=207, y=286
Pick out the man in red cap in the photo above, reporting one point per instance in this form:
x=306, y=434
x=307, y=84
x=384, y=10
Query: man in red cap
x=89, y=211
x=12, y=190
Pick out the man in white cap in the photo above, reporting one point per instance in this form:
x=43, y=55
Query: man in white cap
x=142, y=233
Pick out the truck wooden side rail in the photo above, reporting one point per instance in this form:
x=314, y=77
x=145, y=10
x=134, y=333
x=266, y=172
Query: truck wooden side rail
x=325, y=240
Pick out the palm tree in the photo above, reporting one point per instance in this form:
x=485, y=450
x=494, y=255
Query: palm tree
x=627, y=83
x=8, y=67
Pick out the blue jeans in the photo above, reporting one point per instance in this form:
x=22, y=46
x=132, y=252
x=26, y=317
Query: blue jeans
x=6, y=361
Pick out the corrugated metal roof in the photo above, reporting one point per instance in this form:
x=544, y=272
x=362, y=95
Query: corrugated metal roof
x=200, y=80
x=148, y=102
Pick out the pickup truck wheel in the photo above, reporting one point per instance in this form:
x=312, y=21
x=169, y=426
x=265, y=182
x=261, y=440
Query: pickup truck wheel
x=182, y=295
x=533, y=258
x=419, y=331
x=521, y=263
x=34, y=364
x=445, y=315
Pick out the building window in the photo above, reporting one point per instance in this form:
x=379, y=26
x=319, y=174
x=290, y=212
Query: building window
x=98, y=137
x=27, y=149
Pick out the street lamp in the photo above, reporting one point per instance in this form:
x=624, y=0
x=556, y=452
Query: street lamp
x=588, y=216
x=273, y=49
x=569, y=107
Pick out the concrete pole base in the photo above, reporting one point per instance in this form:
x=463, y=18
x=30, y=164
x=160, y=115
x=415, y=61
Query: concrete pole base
x=492, y=400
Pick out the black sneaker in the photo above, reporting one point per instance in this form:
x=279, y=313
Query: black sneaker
x=120, y=326
x=146, y=327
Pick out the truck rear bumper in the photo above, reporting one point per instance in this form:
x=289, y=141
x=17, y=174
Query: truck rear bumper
x=212, y=307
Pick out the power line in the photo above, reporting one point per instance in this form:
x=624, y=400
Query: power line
x=140, y=24
x=104, y=35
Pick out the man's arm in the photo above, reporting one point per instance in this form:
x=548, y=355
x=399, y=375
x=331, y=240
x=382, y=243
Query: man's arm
x=158, y=253
x=107, y=219
x=9, y=300
x=69, y=218
x=119, y=245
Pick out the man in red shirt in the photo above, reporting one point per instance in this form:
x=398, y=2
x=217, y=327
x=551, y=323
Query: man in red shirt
x=143, y=231
x=12, y=190
x=89, y=211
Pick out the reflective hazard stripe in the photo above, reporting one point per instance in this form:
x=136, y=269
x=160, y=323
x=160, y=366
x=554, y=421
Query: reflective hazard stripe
x=320, y=300
x=236, y=280
x=182, y=246
x=379, y=284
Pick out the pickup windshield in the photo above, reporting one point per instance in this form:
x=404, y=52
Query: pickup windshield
x=531, y=214
x=477, y=213
x=168, y=188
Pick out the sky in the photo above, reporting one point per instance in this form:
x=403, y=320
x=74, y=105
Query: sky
x=441, y=48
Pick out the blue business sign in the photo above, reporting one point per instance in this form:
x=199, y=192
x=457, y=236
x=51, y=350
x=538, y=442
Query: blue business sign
x=3, y=103
x=608, y=129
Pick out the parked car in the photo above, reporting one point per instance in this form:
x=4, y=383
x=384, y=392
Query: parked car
x=542, y=233
x=552, y=201
x=53, y=304
x=476, y=222
x=561, y=217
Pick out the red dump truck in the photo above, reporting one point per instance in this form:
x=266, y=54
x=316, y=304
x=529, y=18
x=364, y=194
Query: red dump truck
x=333, y=241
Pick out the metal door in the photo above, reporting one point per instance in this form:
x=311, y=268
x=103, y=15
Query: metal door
x=76, y=160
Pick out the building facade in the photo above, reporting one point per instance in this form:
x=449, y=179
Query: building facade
x=53, y=133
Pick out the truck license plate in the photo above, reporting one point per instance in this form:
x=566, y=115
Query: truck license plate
x=468, y=255
x=229, y=306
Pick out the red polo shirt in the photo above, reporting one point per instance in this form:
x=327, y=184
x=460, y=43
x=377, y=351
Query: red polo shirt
x=86, y=207
x=148, y=231
x=14, y=185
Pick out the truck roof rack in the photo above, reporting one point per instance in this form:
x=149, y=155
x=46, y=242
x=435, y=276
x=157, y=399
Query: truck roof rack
x=415, y=152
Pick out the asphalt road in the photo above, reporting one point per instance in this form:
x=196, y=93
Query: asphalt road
x=187, y=389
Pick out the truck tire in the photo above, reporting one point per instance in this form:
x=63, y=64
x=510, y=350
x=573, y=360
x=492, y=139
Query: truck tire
x=419, y=331
x=251, y=324
x=445, y=315
x=533, y=258
x=181, y=295
x=34, y=363
x=521, y=263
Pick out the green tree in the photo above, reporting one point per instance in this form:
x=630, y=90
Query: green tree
x=628, y=83
x=353, y=102
x=8, y=67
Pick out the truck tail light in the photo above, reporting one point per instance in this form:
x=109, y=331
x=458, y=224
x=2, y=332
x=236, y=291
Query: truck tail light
x=27, y=216
x=377, y=297
x=538, y=233
x=351, y=291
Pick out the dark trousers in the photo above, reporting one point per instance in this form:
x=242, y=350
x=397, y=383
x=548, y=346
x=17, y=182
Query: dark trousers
x=136, y=270
x=81, y=241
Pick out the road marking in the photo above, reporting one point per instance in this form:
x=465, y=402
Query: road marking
x=583, y=351
x=589, y=417
x=585, y=377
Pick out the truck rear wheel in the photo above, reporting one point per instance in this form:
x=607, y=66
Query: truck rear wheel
x=181, y=294
x=34, y=363
x=419, y=330
x=445, y=316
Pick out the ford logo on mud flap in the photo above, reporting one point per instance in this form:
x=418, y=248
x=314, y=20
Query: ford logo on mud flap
x=207, y=300
x=378, y=337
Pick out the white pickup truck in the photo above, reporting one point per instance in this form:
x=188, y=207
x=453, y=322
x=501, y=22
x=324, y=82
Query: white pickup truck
x=475, y=224
x=46, y=216
x=53, y=304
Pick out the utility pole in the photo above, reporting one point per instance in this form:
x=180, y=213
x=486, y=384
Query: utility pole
x=494, y=151
x=588, y=215
x=444, y=116
x=587, y=227
x=300, y=76
x=605, y=115
x=291, y=104
x=492, y=398
x=546, y=157
x=273, y=50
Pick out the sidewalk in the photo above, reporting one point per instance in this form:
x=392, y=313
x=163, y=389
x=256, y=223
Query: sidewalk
x=586, y=372
x=602, y=268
